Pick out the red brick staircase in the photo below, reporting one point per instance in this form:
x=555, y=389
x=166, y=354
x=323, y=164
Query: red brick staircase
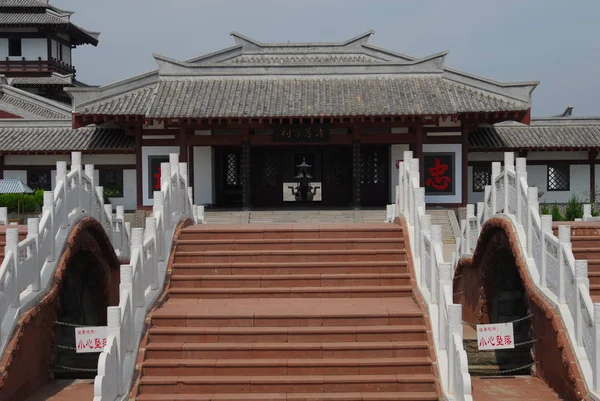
x=585, y=240
x=275, y=312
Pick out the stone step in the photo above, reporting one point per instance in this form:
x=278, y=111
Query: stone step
x=301, y=319
x=328, y=334
x=290, y=367
x=286, y=231
x=299, y=268
x=288, y=280
x=289, y=244
x=291, y=255
x=342, y=396
x=292, y=292
x=298, y=350
x=287, y=384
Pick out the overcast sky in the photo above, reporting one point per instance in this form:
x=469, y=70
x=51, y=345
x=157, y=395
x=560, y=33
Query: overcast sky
x=556, y=42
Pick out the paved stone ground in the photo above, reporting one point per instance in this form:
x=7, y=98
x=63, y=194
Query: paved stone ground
x=65, y=390
x=511, y=388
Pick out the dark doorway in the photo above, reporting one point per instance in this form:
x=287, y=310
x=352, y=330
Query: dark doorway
x=374, y=178
x=228, y=183
x=83, y=302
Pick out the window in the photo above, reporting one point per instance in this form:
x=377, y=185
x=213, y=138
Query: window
x=14, y=48
x=558, y=177
x=39, y=180
x=112, y=181
x=482, y=176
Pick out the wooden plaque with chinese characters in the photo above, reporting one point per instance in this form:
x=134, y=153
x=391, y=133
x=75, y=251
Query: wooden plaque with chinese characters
x=301, y=133
x=438, y=173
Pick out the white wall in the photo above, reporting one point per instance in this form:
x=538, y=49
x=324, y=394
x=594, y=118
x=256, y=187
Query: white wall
x=16, y=175
x=396, y=154
x=152, y=151
x=129, y=199
x=34, y=48
x=3, y=48
x=537, y=176
x=203, y=175
x=444, y=148
x=66, y=54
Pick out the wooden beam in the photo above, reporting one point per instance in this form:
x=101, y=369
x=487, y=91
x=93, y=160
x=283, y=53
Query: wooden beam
x=183, y=152
x=1, y=167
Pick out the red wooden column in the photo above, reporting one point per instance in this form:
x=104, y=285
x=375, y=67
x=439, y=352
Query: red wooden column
x=465, y=129
x=183, y=152
x=356, y=168
x=246, y=176
x=138, y=166
x=592, y=158
x=1, y=167
x=418, y=152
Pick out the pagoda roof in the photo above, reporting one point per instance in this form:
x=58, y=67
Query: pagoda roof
x=546, y=133
x=290, y=80
x=18, y=136
x=30, y=106
x=26, y=13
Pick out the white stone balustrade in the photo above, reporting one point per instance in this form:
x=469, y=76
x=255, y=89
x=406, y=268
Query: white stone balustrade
x=28, y=267
x=434, y=277
x=550, y=261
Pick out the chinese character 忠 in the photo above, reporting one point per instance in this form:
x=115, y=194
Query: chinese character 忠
x=438, y=180
x=157, y=178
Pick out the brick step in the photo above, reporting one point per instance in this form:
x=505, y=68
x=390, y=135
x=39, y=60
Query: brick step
x=344, y=396
x=594, y=276
x=172, y=350
x=293, y=292
x=584, y=241
x=278, y=268
x=586, y=253
x=286, y=384
x=288, y=280
x=291, y=256
x=580, y=229
x=302, y=319
x=283, y=367
x=326, y=334
x=289, y=244
x=285, y=231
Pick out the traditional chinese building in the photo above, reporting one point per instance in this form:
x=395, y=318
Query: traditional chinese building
x=314, y=124
x=246, y=118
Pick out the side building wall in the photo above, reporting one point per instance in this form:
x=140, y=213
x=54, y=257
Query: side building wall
x=17, y=166
x=537, y=173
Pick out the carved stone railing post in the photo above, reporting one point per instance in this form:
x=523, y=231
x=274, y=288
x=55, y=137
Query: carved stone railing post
x=546, y=221
x=419, y=204
x=496, y=170
x=480, y=212
x=445, y=280
x=532, y=207
x=89, y=172
x=521, y=167
x=12, y=242
x=3, y=216
x=425, y=231
x=564, y=239
x=436, y=240
x=200, y=214
x=587, y=212
x=113, y=329
x=581, y=280
x=33, y=229
x=61, y=175
x=454, y=328
x=150, y=232
x=76, y=166
x=596, y=361
x=165, y=179
x=509, y=161
x=159, y=208
x=469, y=228
x=49, y=207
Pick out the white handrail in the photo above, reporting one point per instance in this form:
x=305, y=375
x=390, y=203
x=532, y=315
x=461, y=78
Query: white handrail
x=28, y=267
x=142, y=280
x=434, y=277
x=550, y=260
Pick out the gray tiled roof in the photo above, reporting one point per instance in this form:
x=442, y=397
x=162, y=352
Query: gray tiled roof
x=305, y=96
x=30, y=106
x=64, y=139
x=21, y=3
x=51, y=80
x=548, y=136
x=30, y=19
x=132, y=103
x=14, y=186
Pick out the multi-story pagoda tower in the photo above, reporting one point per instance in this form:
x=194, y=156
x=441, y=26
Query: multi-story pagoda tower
x=36, y=40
